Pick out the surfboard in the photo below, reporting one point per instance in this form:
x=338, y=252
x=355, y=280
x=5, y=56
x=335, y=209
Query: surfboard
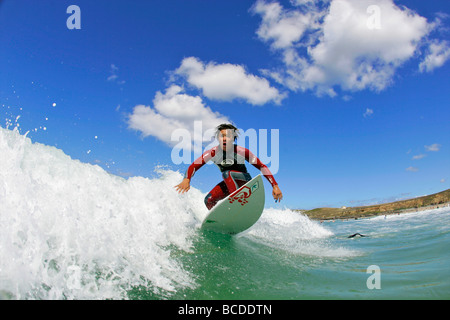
x=239, y=211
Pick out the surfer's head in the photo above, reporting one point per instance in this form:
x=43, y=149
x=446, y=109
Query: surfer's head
x=226, y=133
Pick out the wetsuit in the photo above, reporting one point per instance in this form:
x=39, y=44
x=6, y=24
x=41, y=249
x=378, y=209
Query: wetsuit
x=232, y=165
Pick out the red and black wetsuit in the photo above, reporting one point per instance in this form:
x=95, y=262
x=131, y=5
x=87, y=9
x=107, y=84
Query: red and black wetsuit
x=234, y=172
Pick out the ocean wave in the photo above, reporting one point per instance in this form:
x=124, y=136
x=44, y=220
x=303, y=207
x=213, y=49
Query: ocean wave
x=70, y=230
x=295, y=233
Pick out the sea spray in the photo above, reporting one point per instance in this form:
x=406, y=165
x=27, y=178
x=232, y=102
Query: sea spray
x=295, y=233
x=70, y=230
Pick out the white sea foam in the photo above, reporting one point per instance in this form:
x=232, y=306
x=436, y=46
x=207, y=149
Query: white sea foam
x=70, y=230
x=294, y=232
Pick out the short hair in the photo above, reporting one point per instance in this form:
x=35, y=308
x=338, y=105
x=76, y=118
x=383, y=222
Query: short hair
x=226, y=126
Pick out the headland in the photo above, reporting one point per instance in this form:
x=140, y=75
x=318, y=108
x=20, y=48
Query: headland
x=429, y=202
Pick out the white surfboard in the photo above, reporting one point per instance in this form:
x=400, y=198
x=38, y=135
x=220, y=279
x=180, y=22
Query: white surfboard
x=239, y=211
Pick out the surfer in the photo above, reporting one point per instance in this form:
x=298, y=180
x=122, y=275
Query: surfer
x=357, y=234
x=230, y=158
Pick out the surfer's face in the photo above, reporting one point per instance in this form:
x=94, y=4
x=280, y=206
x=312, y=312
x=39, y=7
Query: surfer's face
x=226, y=138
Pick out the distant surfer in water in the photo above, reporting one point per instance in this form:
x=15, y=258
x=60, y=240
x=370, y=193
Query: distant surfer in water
x=357, y=234
x=230, y=158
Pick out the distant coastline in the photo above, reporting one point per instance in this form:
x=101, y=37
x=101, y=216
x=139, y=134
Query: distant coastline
x=433, y=201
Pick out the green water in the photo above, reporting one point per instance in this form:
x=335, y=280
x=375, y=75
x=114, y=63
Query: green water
x=411, y=251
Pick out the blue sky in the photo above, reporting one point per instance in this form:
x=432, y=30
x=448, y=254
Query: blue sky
x=357, y=89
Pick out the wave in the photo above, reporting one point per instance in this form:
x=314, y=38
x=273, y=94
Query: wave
x=70, y=230
x=294, y=232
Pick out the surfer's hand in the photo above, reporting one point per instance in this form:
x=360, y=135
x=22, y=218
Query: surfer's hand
x=184, y=186
x=277, y=195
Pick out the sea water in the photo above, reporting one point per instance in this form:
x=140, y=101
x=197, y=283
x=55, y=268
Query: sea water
x=71, y=230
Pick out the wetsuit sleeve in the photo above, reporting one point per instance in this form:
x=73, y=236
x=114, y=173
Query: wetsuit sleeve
x=198, y=163
x=253, y=160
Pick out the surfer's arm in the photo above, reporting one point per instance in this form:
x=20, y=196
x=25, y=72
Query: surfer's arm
x=276, y=193
x=185, y=185
x=253, y=160
x=198, y=163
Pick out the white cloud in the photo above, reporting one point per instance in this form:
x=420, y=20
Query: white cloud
x=434, y=147
x=350, y=44
x=419, y=156
x=438, y=54
x=412, y=169
x=171, y=111
x=114, y=77
x=282, y=28
x=227, y=82
x=176, y=112
x=368, y=113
